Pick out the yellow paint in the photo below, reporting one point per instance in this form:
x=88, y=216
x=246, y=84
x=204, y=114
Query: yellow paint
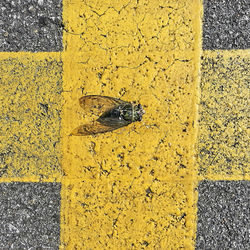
x=131, y=188
x=101, y=213
x=224, y=111
x=29, y=134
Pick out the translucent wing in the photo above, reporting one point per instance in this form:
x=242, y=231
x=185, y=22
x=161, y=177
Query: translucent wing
x=110, y=119
x=98, y=104
x=94, y=128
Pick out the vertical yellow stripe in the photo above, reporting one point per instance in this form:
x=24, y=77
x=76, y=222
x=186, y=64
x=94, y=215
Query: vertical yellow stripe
x=132, y=188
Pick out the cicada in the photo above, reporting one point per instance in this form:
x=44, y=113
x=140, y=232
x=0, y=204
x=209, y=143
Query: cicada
x=114, y=114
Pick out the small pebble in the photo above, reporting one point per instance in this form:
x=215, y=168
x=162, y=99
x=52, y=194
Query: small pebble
x=40, y=2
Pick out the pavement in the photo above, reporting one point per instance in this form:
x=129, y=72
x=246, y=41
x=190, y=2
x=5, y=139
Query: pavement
x=178, y=179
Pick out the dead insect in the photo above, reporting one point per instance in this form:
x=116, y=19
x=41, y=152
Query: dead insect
x=115, y=114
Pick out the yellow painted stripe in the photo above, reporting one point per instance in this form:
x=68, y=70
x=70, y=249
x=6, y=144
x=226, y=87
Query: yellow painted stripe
x=134, y=187
x=30, y=94
x=224, y=116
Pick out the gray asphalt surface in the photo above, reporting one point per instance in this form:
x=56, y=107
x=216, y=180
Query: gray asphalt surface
x=31, y=25
x=226, y=24
x=30, y=215
x=223, y=215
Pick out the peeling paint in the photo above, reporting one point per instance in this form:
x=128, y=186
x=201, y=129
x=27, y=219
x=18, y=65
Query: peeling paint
x=223, y=120
x=30, y=95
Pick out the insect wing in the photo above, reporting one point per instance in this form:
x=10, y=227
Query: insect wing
x=98, y=104
x=92, y=128
x=113, y=122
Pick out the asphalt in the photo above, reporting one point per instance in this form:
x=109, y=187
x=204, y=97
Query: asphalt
x=223, y=215
x=226, y=24
x=27, y=25
x=30, y=215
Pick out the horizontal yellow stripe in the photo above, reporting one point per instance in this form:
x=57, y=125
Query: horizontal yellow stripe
x=30, y=94
x=223, y=115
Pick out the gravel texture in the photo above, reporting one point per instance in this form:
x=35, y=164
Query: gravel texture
x=226, y=24
x=29, y=215
x=223, y=215
x=31, y=25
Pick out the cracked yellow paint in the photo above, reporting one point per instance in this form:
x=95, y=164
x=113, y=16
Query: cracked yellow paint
x=30, y=94
x=132, y=188
x=224, y=116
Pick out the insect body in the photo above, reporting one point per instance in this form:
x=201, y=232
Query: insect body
x=115, y=114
